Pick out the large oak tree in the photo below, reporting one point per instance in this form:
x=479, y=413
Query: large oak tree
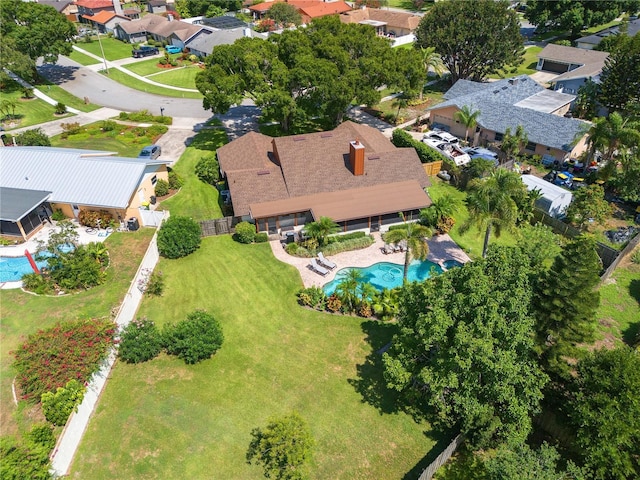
x=474, y=37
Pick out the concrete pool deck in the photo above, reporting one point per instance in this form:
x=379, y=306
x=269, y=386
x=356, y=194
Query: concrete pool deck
x=441, y=248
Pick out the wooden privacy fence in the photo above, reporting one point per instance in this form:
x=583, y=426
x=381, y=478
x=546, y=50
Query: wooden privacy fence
x=432, y=168
x=217, y=226
x=441, y=459
x=633, y=243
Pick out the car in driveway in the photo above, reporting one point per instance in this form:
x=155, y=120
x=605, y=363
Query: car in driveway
x=450, y=150
x=484, y=153
x=150, y=152
x=172, y=49
x=441, y=135
x=144, y=51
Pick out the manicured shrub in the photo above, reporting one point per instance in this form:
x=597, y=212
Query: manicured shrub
x=291, y=248
x=334, y=304
x=108, y=125
x=208, y=170
x=19, y=461
x=155, y=285
x=345, y=237
x=58, y=406
x=194, y=339
x=178, y=237
x=60, y=108
x=42, y=435
x=175, y=180
x=95, y=218
x=48, y=359
x=353, y=244
x=400, y=138
x=38, y=284
x=58, y=215
x=245, y=232
x=261, y=237
x=313, y=297
x=140, y=341
x=162, y=188
x=34, y=138
x=400, y=226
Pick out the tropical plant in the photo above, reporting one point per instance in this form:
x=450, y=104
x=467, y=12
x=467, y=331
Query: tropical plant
x=321, y=229
x=611, y=134
x=467, y=117
x=60, y=108
x=401, y=101
x=347, y=290
x=431, y=61
x=437, y=214
x=512, y=144
x=492, y=203
x=385, y=305
x=415, y=236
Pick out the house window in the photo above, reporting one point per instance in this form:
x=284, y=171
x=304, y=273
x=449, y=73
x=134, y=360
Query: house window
x=498, y=137
x=531, y=146
x=154, y=180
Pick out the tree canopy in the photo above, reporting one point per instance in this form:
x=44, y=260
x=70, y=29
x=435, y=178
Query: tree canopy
x=284, y=14
x=474, y=38
x=311, y=72
x=620, y=78
x=29, y=31
x=463, y=354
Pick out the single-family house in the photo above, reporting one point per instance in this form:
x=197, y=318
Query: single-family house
x=386, y=22
x=159, y=28
x=89, y=8
x=67, y=8
x=352, y=174
x=592, y=41
x=36, y=179
x=308, y=9
x=574, y=65
x=202, y=45
x=511, y=102
x=105, y=21
x=131, y=13
x=156, y=6
x=554, y=200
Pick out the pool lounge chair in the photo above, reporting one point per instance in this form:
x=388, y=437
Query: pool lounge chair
x=387, y=249
x=326, y=262
x=318, y=268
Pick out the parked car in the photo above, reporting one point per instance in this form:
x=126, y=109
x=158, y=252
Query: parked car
x=151, y=152
x=145, y=51
x=484, y=153
x=441, y=135
x=452, y=151
x=172, y=49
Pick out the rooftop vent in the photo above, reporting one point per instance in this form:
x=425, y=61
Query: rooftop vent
x=504, y=88
x=299, y=139
x=264, y=172
x=374, y=157
x=496, y=91
x=326, y=135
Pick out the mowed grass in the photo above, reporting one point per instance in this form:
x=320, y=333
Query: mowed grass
x=197, y=199
x=147, y=67
x=132, y=82
x=113, y=49
x=179, y=77
x=164, y=419
x=619, y=312
x=28, y=112
x=61, y=95
x=23, y=314
x=526, y=67
x=83, y=59
x=472, y=240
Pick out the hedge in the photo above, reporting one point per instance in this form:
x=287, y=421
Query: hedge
x=353, y=244
x=345, y=237
x=400, y=226
x=400, y=138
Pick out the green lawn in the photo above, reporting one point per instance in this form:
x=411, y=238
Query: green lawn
x=113, y=49
x=83, y=59
x=164, y=419
x=179, y=77
x=473, y=240
x=61, y=95
x=597, y=28
x=408, y=5
x=619, y=312
x=527, y=67
x=132, y=82
x=147, y=67
x=28, y=112
x=23, y=314
x=197, y=199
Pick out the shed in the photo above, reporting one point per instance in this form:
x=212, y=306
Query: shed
x=554, y=199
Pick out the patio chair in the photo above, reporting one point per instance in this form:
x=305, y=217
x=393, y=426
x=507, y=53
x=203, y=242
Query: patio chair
x=387, y=249
x=402, y=245
x=326, y=262
x=318, y=268
x=396, y=247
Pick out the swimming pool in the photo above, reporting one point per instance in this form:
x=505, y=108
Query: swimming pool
x=449, y=264
x=13, y=268
x=386, y=275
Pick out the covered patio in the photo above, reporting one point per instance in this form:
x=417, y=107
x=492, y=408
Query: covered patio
x=22, y=211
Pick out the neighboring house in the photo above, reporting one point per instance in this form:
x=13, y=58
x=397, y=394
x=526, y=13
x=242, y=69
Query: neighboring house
x=386, y=22
x=308, y=9
x=67, y=8
x=73, y=180
x=352, y=174
x=89, y=8
x=554, y=200
x=106, y=22
x=131, y=13
x=157, y=6
x=575, y=65
x=161, y=29
x=509, y=103
x=592, y=41
x=202, y=45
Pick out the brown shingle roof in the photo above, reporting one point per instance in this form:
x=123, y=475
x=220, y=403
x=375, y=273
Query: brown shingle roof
x=142, y=25
x=312, y=164
x=391, y=18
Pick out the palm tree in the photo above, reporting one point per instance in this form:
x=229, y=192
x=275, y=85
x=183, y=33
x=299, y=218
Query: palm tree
x=513, y=143
x=439, y=210
x=321, y=229
x=431, y=61
x=401, y=101
x=385, y=305
x=493, y=203
x=611, y=134
x=467, y=117
x=415, y=235
x=348, y=288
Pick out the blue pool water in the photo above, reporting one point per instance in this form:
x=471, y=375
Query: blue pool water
x=13, y=268
x=386, y=275
x=449, y=264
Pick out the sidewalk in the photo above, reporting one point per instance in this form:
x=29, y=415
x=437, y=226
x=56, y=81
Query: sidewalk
x=117, y=64
x=54, y=127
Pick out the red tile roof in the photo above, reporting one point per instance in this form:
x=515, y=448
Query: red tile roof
x=101, y=17
x=321, y=9
x=94, y=3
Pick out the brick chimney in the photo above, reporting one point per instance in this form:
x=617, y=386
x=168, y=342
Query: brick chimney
x=356, y=157
x=117, y=8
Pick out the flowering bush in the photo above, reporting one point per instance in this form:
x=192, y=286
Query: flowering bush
x=67, y=351
x=140, y=341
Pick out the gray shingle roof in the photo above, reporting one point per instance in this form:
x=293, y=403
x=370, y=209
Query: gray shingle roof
x=632, y=29
x=205, y=43
x=496, y=103
x=71, y=177
x=15, y=203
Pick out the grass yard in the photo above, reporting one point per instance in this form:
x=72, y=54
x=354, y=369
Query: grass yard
x=113, y=49
x=164, y=419
x=124, y=139
x=619, y=312
x=83, y=59
x=178, y=77
x=28, y=112
x=132, y=82
x=408, y=5
x=61, y=95
x=527, y=67
x=23, y=314
x=432, y=95
x=197, y=199
x=473, y=240
x=148, y=67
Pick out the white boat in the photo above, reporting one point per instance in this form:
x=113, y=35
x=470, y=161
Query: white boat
x=449, y=150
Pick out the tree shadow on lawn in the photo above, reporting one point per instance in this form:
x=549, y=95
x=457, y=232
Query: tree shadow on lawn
x=209, y=139
x=632, y=334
